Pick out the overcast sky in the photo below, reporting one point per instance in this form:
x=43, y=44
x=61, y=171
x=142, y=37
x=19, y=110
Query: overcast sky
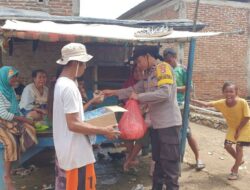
x=110, y=9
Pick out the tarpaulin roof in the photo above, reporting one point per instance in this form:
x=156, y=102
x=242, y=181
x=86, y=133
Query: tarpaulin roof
x=38, y=16
x=88, y=33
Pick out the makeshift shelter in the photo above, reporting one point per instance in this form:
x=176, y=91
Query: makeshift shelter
x=110, y=41
x=97, y=34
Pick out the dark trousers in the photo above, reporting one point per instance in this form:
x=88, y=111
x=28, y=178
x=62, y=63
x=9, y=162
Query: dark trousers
x=166, y=154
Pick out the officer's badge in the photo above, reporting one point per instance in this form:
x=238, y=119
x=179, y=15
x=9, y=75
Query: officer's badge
x=164, y=74
x=163, y=69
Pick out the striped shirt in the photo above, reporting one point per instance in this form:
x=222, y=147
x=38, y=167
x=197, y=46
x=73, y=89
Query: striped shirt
x=4, y=106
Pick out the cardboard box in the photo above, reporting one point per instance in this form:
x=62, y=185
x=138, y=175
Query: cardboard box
x=104, y=116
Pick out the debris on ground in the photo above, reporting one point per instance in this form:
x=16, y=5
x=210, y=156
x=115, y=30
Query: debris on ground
x=110, y=181
x=24, y=171
x=117, y=155
x=138, y=187
x=47, y=187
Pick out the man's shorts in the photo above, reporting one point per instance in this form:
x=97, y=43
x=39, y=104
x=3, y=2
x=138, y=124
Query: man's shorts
x=83, y=178
x=240, y=143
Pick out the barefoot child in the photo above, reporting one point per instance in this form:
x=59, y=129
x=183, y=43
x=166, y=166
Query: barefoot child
x=237, y=114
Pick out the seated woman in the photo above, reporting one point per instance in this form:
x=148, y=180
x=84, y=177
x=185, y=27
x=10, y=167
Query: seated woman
x=34, y=98
x=13, y=127
x=88, y=102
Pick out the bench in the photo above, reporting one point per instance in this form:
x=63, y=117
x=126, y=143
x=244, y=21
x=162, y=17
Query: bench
x=44, y=140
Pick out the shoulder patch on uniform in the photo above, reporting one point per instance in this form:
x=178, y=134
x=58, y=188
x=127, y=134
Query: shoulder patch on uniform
x=164, y=74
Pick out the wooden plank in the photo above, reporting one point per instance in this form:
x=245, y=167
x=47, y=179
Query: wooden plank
x=30, y=153
x=43, y=143
x=1, y=166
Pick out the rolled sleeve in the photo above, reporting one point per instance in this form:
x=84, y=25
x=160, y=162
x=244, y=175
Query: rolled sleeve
x=126, y=92
x=159, y=95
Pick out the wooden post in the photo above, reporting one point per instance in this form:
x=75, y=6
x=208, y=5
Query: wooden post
x=95, y=73
x=1, y=57
x=2, y=166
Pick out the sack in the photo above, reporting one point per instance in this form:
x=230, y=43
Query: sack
x=132, y=125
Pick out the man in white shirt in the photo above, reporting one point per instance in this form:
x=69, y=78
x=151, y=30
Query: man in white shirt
x=73, y=149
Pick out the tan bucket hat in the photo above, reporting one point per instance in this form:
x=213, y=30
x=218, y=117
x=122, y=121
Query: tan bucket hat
x=74, y=52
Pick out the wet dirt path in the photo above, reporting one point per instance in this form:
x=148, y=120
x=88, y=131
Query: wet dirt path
x=111, y=177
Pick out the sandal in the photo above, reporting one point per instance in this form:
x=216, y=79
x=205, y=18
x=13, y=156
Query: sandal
x=200, y=165
x=233, y=176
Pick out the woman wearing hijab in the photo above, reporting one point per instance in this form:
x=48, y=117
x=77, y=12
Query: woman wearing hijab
x=16, y=132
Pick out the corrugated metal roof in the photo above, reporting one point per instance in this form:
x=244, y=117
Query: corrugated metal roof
x=140, y=7
x=37, y=16
x=149, y=3
x=92, y=33
x=244, y=1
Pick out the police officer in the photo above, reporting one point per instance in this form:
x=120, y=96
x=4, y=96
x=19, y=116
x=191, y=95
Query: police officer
x=158, y=90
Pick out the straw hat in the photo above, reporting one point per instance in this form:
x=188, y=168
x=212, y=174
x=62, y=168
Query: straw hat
x=74, y=52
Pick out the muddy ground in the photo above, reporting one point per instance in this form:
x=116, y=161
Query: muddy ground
x=111, y=177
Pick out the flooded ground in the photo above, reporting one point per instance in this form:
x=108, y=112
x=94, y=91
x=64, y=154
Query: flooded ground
x=109, y=173
x=111, y=177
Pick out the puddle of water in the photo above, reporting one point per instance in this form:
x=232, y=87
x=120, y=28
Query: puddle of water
x=108, y=170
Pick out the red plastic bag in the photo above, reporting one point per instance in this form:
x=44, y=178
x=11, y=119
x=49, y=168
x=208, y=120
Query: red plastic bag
x=132, y=125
